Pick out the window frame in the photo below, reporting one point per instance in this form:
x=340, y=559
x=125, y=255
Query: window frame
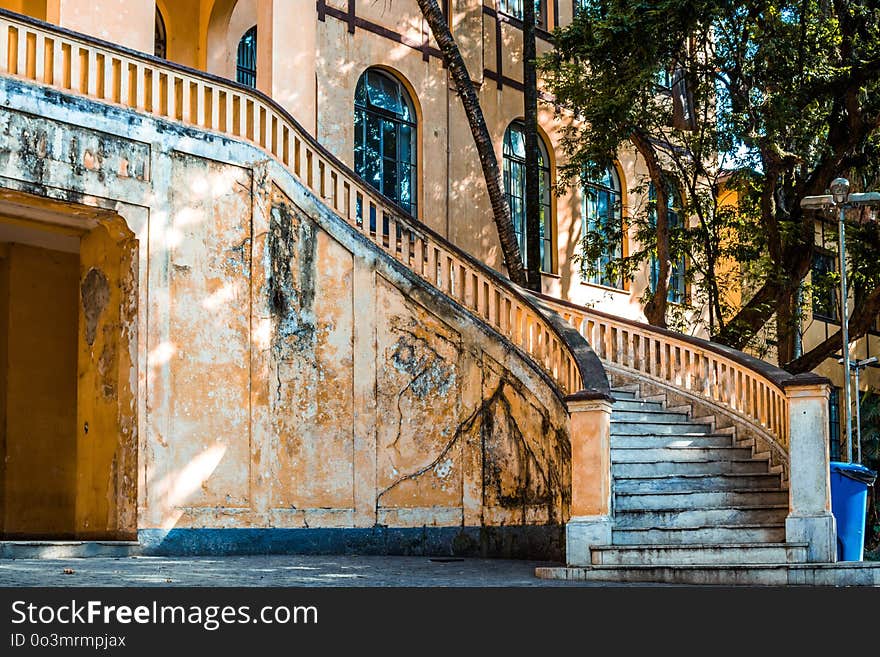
x=243, y=73
x=818, y=314
x=366, y=110
x=509, y=160
x=587, y=223
x=514, y=9
x=679, y=268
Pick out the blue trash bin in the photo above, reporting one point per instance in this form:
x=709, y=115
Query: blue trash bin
x=849, y=501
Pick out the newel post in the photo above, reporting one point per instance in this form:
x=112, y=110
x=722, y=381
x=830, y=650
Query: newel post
x=590, y=431
x=809, y=488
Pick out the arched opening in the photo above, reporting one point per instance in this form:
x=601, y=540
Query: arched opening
x=68, y=333
x=385, y=133
x=514, y=154
x=227, y=22
x=160, y=37
x=602, y=212
x=246, y=59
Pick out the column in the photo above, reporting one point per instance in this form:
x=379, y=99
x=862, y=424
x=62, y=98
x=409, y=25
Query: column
x=590, y=434
x=809, y=489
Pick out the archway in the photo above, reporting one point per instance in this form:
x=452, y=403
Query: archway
x=68, y=411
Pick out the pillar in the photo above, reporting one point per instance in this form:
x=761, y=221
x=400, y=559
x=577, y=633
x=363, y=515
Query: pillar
x=590, y=432
x=809, y=490
x=286, y=51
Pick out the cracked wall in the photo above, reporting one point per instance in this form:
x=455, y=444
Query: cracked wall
x=287, y=375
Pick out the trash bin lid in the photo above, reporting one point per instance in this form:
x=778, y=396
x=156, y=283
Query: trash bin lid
x=855, y=471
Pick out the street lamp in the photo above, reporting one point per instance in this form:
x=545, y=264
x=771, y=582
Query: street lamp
x=841, y=199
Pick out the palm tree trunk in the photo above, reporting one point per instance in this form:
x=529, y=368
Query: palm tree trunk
x=464, y=88
x=530, y=121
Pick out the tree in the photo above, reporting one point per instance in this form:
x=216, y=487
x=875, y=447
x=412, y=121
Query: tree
x=532, y=228
x=464, y=88
x=771, y=99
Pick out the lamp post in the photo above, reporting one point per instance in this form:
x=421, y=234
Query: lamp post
x=840, y=199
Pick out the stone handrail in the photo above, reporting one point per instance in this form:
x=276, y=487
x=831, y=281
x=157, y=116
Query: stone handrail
x=745, y=387
x=64, y=60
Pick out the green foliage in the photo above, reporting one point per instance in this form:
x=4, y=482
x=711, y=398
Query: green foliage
x=785, y=96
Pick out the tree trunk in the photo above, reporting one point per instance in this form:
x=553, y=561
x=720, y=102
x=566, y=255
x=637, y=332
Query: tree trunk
x=464, y=88
x=655, y=309
x=533, y=185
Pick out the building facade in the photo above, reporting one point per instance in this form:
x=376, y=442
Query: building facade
x=253, y=419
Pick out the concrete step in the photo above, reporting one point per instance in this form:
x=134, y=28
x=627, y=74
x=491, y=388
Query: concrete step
x=692, y=467
x=641, y=454
x=670, y=441
x=696, y=482
x=734, y=574
x=769, y=514
x=718, y=499
x=636, y=405
x=707, y=535
x=702, y=554
x=648, y=416
x=67, y=549
x=658, y=428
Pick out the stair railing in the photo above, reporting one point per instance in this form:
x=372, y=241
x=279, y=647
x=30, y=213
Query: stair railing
x=49, y=55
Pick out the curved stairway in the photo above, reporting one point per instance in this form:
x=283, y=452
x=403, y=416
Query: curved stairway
x=687, y=500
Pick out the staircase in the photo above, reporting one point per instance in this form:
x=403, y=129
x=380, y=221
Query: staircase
x=689, y=505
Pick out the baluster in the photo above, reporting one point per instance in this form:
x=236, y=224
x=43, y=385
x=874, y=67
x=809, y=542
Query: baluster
x=4, y=47
x=418, y=261
x=215, y=109
x=40, y=58
x=21, y=55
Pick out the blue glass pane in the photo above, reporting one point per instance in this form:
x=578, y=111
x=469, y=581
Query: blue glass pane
x=384, y=92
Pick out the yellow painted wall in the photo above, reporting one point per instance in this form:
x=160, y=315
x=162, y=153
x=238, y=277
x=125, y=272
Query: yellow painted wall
x=33, y=8
x=41, y=392
x=129, y=23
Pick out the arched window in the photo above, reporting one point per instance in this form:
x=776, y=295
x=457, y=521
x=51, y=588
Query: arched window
x=603, y=213
x=160, y=37
x=246, y=60
x=385, y=137
x=673, y=218
x=515, y=187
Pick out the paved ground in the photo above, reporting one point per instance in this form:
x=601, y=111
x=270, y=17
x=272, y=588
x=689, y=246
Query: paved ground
x=273, y=571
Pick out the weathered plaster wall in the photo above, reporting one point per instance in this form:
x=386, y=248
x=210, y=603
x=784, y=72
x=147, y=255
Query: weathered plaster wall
x=41, y=374
x=287, y=375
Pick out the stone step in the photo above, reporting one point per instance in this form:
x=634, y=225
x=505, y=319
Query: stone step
x=73, y=549
x=707, y=535
x=648, y=416
x=692, y=467
x=641, y=454
x=670, y=441
x=636, y=405
x=846, y=573
x=702, y=554
x=658, y=428
x=717, y=499
x=695, y=482
x=685, y=517
x=619, y=393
